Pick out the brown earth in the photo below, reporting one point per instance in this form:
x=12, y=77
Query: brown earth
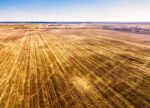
x=73, y=68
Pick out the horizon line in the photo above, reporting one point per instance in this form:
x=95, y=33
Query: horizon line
x=74, y=21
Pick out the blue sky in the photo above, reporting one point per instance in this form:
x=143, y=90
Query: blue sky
x=74, y=10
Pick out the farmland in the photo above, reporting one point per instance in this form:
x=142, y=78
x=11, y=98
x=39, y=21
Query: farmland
x=56, y=67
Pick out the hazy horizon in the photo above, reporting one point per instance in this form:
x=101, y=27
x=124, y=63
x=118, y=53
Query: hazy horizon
x=75, y=10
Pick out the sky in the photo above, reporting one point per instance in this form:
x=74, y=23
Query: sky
x=75, y=10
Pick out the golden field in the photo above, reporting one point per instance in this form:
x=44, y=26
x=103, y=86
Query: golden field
x=53, y=67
